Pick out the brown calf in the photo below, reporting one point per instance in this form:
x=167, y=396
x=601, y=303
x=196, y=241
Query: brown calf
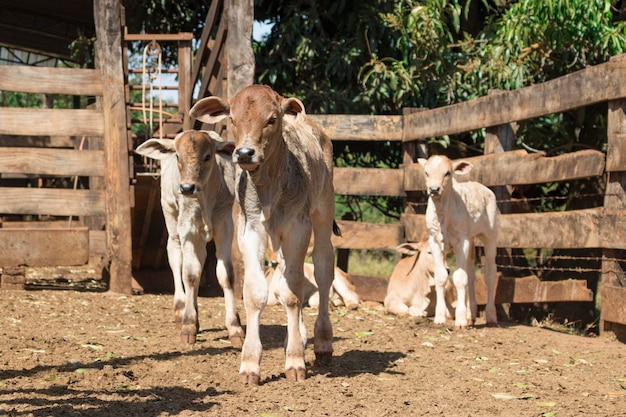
x=285, y=190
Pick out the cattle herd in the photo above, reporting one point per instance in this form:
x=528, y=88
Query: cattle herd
x=279, y=170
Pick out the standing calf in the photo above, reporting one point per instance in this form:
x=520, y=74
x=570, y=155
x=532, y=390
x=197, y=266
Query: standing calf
x=285, y=190
x=457, y=213
x=197, y=186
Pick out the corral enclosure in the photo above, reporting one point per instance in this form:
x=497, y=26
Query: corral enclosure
x=91, y=193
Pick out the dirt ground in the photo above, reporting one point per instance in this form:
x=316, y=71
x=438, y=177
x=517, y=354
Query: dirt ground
x=71, y=353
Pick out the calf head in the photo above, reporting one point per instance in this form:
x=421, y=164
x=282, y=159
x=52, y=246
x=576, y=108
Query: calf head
x=422, y=257
x=439, y=171
x=257, y=114
x=195, y=155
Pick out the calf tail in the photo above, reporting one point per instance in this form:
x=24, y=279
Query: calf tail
x=336, y=230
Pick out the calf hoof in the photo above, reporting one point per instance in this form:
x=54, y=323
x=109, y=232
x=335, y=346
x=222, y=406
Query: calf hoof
x=492, y=324
x=188, y=338
x=296, y=375
x=323, y=358
x=250, y=379
x=236, y=341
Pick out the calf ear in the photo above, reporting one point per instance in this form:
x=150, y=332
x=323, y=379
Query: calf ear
x=422, y=161
x=292, y=107
x=210, y=109
x=462, y=167
x=156, y=148
x=408, y=249
x=225, y=149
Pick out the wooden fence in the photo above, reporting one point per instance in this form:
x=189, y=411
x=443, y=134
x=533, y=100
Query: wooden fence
x=65, y=172
x=602, y=227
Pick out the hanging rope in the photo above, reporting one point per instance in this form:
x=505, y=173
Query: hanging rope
x=149, y=75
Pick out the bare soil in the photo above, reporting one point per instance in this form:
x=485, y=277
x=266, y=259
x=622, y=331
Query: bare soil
x=71, y=353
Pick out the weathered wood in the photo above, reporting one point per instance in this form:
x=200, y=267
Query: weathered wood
x=50, y=122
x=46, y=161
x=238, y=51
x=50, y=80
x=359, y=127
x=532, y=290
x=519, y=167
x=116, y=146
x=568, y=229
x=612, y=304
x=588, y=86
x=370, y=288
x=51, y=201
x=368, y=181
x=372, y=236
x=44, y=247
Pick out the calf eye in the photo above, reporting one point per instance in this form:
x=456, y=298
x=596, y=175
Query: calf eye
x=233, y=121
x=271, y=121
x=207, y=158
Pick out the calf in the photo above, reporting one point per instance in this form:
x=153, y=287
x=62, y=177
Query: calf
x=457, y=213
x=409, y=288
x=285, y=191
x=197, y=186
x=342, y=291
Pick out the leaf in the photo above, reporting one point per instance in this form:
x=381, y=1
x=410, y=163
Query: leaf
x=428, y=344
x=362, y=334
x=81, y=370
x=550, y=414
x=546, y=403
x=494, y=370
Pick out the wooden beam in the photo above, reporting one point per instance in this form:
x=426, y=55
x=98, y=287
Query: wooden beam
x=372, y=236
x=50, y=122
x=567, y=229
x=358, y=127
x=519, y=167
x=44, y=247
x=116, y=143
x=47, y=161
x=47, y=80
x=51, y=201
x=582, y=88
x=613, y=304
x=368, y=181
x=532, y=290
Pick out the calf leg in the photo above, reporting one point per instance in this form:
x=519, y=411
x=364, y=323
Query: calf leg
x=226, y=278
x=441, y=276
x=323, y=261
x=175, y=259
x=491, y=280
x=251, y=241
x=291, y=294
x=460, y=280
x=194, y=255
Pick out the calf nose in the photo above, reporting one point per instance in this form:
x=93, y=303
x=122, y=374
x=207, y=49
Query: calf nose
x=187, y=189
x=245, y=154
x=434, y=190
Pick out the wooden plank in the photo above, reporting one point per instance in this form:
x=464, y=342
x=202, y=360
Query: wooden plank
x=50, y=122
x=582, y=88
x=44, y=247
x=116, y=144
x=97, y=243
x=47, y=80
x=369, y=181
x=46, y=161
x=370, y=288
x=568, y=229
x=51, y=201
x=613, y=304
x=372, y=236
x=616, y=152
x=519, y=167
x=532, y=290
x=359, y=127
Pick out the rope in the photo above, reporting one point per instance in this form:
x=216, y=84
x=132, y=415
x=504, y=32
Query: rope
x=152, y=49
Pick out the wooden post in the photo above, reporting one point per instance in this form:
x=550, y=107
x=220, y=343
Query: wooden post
x=107, y=16
x=184, y=82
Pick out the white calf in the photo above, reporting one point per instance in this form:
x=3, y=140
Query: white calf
x=197, y=186
x=285, y=190
x=457, y=213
